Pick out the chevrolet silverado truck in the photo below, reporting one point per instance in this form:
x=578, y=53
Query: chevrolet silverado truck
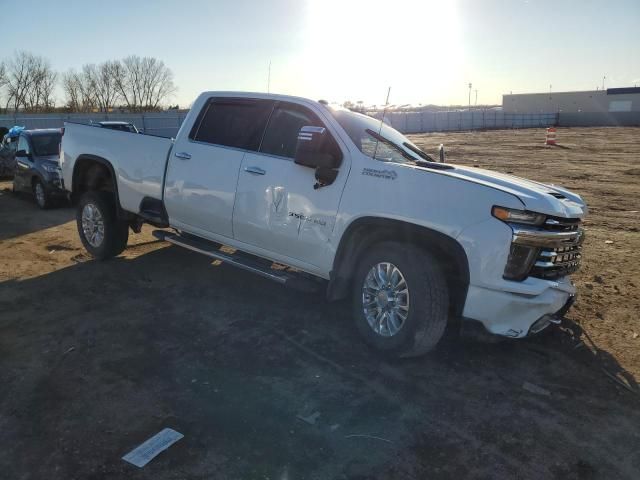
x=310, y=195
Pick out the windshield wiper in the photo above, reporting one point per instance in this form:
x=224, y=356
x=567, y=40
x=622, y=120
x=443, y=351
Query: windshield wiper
x=394, y=145
x=419, y=152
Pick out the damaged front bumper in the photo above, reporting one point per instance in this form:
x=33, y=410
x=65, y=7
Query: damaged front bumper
x=520, y=314
x=551, y=318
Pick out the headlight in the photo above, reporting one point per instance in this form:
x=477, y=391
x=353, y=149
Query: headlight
x=521, y=259
x=511, y=215
x=51, y=168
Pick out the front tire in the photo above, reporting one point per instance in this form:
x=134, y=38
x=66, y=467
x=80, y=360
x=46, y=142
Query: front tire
x=400, y=300
x=40, y=194
x=102, y=233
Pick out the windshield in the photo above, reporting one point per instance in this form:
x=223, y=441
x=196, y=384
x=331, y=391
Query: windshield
x=46, y=144
x=388, y=145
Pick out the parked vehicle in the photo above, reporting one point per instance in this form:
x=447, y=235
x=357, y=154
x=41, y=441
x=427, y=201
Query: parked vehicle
x=122, y=126
x=8, y=148
x=348, y=202
x=38, y=166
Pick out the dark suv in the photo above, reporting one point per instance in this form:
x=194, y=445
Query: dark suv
x=38, y=165
x=122, y=126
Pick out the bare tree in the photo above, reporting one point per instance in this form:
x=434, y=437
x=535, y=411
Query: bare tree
x=122, y=79
x=30, y=82
x=80, y=91
x=39, y=97
x=3, y=74
x=72, y=90
x=143, y=82
x=3, y=77
x=101, y=80
x=20, y=78
x=157, y=83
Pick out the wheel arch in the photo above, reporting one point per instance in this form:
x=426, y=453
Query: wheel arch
x=364, y=232
x=35, y=175
x=91, y=172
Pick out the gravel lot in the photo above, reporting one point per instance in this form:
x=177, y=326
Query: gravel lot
x=95, y=357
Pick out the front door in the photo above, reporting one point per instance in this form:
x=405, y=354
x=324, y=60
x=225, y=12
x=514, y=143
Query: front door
x=24, y=165
x=202, y=172
x=277, y=207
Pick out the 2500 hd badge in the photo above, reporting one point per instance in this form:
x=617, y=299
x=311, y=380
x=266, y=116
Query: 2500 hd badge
x=304, y=218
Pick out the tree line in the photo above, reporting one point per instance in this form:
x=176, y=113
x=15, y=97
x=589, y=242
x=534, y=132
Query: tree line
x=137, y=84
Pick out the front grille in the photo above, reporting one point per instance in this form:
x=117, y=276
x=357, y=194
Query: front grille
x=556, y=247
x=557, y=262
x=564, y=259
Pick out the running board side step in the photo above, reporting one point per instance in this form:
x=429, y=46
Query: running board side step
x=239, y=259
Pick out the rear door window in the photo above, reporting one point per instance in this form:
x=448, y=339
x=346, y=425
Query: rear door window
x=232, y=122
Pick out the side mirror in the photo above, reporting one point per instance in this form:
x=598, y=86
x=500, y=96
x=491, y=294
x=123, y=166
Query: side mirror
x=314, y=150
x=22, y=153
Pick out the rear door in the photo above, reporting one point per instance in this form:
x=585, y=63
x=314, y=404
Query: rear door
x=202, y=173
x=278, y=208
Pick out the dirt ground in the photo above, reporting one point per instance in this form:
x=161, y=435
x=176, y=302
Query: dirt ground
x=95, y=357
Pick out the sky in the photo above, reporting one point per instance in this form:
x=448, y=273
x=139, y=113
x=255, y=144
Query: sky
x=427, y=51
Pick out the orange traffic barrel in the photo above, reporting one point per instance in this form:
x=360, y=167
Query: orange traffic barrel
x=551, y=136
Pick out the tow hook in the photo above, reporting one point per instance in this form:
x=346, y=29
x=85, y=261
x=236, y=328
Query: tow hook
x=552, y=318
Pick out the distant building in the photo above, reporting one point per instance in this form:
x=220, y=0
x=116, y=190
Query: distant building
x=601, y=101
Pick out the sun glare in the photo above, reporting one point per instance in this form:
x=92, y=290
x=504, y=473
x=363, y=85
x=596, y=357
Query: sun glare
x=356, y=49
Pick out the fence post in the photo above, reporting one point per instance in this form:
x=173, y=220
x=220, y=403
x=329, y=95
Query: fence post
x=144, y=124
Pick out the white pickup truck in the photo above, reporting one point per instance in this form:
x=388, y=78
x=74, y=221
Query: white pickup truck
x=343, y=201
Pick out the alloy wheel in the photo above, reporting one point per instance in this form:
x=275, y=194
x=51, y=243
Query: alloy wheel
x=92, y=225
x=385, y=299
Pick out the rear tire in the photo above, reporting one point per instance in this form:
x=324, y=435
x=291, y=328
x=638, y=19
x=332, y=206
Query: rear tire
x=102, y=233
x=400, y=300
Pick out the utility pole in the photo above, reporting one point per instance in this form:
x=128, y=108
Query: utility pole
x=269, y=79
x=470, y=86
x=603, y=79
x=476, y=104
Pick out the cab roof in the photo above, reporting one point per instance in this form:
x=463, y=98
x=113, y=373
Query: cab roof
x=41, y=131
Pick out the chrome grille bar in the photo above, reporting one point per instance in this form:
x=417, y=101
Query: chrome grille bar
x=558, y=243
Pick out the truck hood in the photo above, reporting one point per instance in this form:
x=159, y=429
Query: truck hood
x=537, y=197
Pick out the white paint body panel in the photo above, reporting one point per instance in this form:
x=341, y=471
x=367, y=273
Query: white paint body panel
x=281, y=217
x=137, y=160
x=200, y=191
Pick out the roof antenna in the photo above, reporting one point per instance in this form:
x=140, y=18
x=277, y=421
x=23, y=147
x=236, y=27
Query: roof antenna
x=384, y=111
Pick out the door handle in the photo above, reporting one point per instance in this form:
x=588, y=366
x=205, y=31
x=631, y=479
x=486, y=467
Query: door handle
x=255, y=170
x=183, y=155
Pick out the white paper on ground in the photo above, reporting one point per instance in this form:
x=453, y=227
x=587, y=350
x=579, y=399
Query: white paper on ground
x=148, y=450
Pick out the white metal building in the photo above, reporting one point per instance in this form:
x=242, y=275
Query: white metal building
x=600, y=101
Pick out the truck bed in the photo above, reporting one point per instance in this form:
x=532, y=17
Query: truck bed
x=138, y=160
